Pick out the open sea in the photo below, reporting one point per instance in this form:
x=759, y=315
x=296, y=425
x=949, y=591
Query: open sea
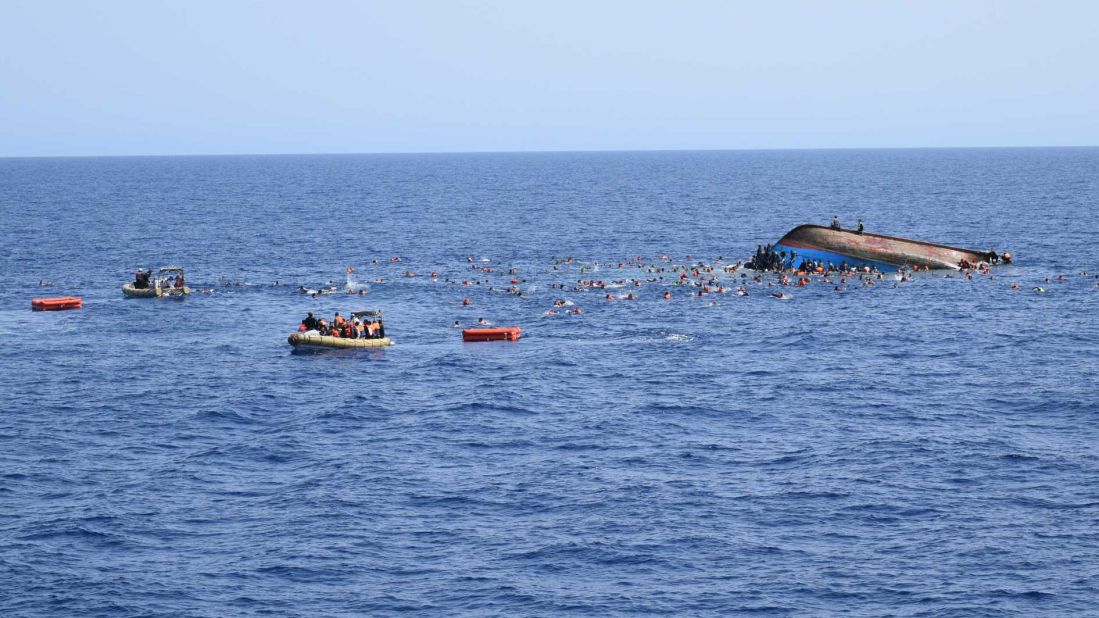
x=918, y=448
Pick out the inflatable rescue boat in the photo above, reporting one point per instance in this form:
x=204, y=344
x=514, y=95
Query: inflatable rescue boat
x=314, y=340
x=130, y=291
x=311, y=339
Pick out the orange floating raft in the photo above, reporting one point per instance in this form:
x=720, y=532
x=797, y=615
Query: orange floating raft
x=510, y=333
x=57, y=303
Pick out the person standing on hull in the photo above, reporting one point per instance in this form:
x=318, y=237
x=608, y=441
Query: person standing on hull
x=859, y=230
x=836, y=222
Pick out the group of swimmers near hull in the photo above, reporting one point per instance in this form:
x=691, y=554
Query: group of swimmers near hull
x=342, y=328
x=767, y=259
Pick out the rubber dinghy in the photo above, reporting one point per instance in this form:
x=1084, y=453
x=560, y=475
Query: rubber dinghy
x=313, y=339
x=818, y=242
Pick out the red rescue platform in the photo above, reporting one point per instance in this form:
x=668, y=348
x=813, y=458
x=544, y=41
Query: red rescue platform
x=510, y=333
x=57, y=303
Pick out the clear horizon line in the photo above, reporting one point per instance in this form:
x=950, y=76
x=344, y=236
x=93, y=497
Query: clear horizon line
x=542, y=151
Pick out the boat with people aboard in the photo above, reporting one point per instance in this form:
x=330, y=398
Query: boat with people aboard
x=168, y=281
x=363, y=329
x=813, y=248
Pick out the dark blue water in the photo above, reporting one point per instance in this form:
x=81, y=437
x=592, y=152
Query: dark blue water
x=924, y=448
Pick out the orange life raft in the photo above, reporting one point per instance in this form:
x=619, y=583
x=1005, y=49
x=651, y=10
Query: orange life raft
x=57, y=303
x=510, y=333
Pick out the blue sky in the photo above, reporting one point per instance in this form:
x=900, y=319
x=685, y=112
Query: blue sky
x=193, y=77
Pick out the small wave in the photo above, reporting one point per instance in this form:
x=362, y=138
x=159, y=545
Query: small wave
x=300, y=574
x=1018, y=457
x=1053, y=505
x=1033, y=595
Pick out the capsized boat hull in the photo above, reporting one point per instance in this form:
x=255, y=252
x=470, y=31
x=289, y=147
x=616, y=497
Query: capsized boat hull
x=886, y=253
x=130, y=291
x=302, y=340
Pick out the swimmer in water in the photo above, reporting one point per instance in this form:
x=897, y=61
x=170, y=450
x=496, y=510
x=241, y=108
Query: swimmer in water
x=483, y=322
x=457, y=324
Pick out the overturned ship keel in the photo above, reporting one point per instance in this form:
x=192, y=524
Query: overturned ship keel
x=857, y=249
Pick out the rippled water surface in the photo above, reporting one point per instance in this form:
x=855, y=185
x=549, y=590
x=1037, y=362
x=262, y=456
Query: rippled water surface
x=921, y=448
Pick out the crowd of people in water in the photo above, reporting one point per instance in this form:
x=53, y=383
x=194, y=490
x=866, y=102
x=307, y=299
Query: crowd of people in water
x=343, y=328
x=775, y=270
x=770, y=267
